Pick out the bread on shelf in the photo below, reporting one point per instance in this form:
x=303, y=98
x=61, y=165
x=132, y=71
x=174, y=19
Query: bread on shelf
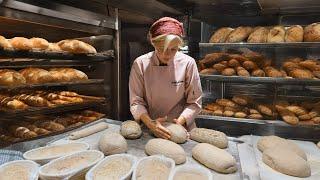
x=67, y=75
x=5, y=43
x=276, y=34
x=11, y=78
x=312, y=33
x=21, y=43
x=259, y=35
x=76, y=46
x=39, y=43
x=239, y=34
x=36, y=75
x=294, y=34
x=220, y=35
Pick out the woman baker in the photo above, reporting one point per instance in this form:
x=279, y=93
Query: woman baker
x=164, y=84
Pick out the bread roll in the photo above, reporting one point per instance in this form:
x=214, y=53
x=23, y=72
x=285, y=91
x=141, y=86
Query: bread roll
x=312, y=65
x=209, y=71
x=265, y=109
x=249, y=65
x=228, y=72
x=219, y=67
x=258, y=73
x=77, y=47
x=39, y=43
x=294, y=34
x=226, y=102
x=239, y=34
x=255, y=116
x=298, y=110
x=218, y=112
x=220, y=35
x=240, y=115
x=272, y=72
x=301, y=74
x=213, y=107
x=11, y=78
x=21, y=43
x=312, y=33
x=5, y=43
x=276, y=34
x=287, y=115
x=228, y=113
x=36, y=75
x=259, y=35
x=233, y=63
x=242, y=72
x=213, y=58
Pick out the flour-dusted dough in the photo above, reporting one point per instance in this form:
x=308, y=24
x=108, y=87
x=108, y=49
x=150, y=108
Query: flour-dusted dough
x=130, y=130
x=113, y=143
x=267, y=142
x=166, y=148
x=214, y=158
x=286, y=162
x=178, y=133
x=88, y=131
x=210, y=136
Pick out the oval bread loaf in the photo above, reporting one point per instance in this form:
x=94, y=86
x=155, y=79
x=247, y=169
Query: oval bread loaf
x=178, y=133
x=113, y=143
x=294, y=34
x=214, y=158
x=210, y=136
x=220, y=35
x=268, y=142
x=130, y=130
x=166, y=148
x=286, y=162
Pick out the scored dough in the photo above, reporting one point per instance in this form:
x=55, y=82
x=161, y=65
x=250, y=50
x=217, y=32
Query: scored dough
x=214, y=158
x=210, y=136
x=286, y=162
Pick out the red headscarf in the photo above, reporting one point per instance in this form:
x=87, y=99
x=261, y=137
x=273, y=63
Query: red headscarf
x=166, y=25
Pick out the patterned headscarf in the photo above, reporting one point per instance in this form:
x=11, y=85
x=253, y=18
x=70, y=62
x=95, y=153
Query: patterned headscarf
x=166, y=25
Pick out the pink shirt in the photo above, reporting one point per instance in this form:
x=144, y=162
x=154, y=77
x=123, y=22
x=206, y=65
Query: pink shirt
x=173, y=90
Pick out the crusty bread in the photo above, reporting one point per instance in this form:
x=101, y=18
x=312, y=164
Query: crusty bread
x=276, y=34
x=76, y=46
x=36, y=75
x=259, y=35
x=5, y=43
x=21, y=43
x=294, y=34
x=39, y=43
x=312, y=33
x=239, y=34
x=11, y=78
x=67, y=74
x=220, y=35
x=54, y=47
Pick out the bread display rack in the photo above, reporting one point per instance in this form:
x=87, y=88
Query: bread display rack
x=265, y=90
x=43, y=55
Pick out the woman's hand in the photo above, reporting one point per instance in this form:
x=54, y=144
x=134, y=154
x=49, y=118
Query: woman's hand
x=182, y=121
x=158, y=130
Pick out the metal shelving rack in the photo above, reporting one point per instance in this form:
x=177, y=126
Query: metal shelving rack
x=265, y=88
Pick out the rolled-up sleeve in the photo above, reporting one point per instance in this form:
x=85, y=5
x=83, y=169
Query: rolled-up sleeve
x=193, y=94
x=138, y=106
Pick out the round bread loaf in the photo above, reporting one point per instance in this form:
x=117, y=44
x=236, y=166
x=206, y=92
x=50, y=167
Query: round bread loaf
x=268, y=142
x=286, y=162
x=312, y=33
x=178, y=133
x=130, y=130
x=213, y=137
x=259, y=35
x=276, y=34
x=214, y=158
x=166, y=148
x=113, y=143
x=294, y=34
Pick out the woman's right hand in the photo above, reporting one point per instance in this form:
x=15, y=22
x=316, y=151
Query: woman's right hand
x=158, y=130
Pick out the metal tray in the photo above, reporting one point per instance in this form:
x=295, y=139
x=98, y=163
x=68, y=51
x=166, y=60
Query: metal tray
x=104, y=56
x=264, y=80
x=28, y=86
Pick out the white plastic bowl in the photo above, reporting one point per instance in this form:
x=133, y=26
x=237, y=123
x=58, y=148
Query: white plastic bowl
x=45, y=154
x=70, y=166
x=31, y=167
x=127, y=176
x=192, y=169
x=168, y=162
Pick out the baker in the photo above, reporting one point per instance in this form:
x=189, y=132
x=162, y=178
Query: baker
x=164, y=84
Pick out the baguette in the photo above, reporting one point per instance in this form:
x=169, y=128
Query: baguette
x=76, y=46
x=39, y=43
x=33, y=100
x=36, y=75
x=21, y=43
x=5, y=43
x=11, y=78
x=213, y=58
